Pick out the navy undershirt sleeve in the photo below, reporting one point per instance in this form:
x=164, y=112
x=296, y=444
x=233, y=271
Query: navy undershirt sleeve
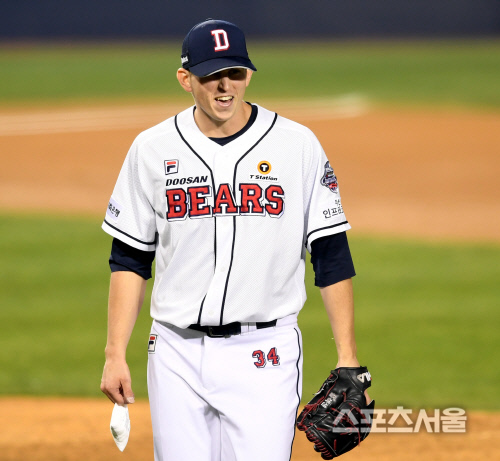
x=331, y=260
x=126, y=258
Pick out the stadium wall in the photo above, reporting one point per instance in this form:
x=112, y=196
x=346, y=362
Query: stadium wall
x=150, y=19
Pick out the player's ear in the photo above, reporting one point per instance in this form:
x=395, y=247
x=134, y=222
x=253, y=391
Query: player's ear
x=183, y=76
x=249, y=76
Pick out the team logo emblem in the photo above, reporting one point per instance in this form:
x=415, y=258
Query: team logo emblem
x=152, y=343
x=329, y=179
x=264, y=167
x=221, y=40
x=171, y=166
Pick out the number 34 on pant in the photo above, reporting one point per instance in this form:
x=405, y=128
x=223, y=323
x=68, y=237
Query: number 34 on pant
x=272, y=357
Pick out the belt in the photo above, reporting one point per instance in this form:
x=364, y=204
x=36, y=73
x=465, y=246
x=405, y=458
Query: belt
x=225, y=331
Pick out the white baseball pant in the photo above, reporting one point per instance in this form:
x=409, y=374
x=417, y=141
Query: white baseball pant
x=225, y=399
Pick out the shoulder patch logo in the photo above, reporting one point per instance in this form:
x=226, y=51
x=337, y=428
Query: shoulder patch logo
x=329, y=179
x=152, y=343
x=264, y=167
x=171, y=166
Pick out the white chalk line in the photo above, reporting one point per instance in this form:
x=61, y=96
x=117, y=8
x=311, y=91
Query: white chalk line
x=142, y=116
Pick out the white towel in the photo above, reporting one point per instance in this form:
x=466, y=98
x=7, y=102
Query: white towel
x=120, y=426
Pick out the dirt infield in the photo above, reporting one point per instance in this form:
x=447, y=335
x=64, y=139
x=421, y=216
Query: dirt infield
x=424, y=173
x=51, y=429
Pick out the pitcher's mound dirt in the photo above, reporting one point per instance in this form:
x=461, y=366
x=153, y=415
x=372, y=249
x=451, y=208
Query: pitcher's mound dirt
x=67, y=429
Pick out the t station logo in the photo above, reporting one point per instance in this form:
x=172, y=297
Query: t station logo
x=264, y=168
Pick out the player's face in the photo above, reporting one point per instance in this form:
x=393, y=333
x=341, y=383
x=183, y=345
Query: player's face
x=219, y=96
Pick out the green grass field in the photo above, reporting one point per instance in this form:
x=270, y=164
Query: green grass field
x=427, y=316
x=463, y=73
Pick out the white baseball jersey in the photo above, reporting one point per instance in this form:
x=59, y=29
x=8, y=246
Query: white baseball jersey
x=230, y=224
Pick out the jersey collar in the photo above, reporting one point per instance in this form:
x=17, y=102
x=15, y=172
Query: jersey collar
x=207, y=149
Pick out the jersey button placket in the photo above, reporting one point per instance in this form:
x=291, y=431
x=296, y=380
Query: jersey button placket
x=225, y=234
x=223, y=174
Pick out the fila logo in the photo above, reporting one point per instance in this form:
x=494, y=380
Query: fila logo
x=152, y=343
x=366, y=375
x=220, y=44
x=171, y=166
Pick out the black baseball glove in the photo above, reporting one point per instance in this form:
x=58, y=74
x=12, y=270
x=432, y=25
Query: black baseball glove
x=338, y=419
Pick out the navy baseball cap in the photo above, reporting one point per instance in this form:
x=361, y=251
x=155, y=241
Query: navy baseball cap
x=214, y=45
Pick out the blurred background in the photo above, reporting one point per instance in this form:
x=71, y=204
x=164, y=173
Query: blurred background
x=405, y=99
x=125, y=19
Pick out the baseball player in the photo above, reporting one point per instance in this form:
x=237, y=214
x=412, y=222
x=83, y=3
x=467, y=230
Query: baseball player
x=226, y=197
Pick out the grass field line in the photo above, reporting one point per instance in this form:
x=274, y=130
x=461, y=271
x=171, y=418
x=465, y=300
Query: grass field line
x=81, y=119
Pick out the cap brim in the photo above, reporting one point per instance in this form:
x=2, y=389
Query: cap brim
x=215, y=65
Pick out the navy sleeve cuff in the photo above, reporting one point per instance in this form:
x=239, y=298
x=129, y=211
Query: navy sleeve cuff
x=126, y=258
x=331, y=260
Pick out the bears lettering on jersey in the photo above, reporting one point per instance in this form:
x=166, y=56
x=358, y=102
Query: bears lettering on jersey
x=224, y=201
x=177, y=204
x=198, y=207
x=254, y=201
x=251, y=198
x=276, y=204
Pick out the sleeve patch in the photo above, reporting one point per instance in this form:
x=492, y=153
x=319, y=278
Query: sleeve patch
x=329, y=179
x=333, y=211
x=114, y=210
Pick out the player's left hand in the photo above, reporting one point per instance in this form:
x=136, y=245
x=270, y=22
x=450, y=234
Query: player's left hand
x=352, y=363
x=339, y=418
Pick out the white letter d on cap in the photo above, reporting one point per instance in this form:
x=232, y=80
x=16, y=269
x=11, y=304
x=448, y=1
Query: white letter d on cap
x=225, y=42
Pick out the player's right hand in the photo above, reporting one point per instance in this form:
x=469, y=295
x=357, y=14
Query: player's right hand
x=116, y=382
